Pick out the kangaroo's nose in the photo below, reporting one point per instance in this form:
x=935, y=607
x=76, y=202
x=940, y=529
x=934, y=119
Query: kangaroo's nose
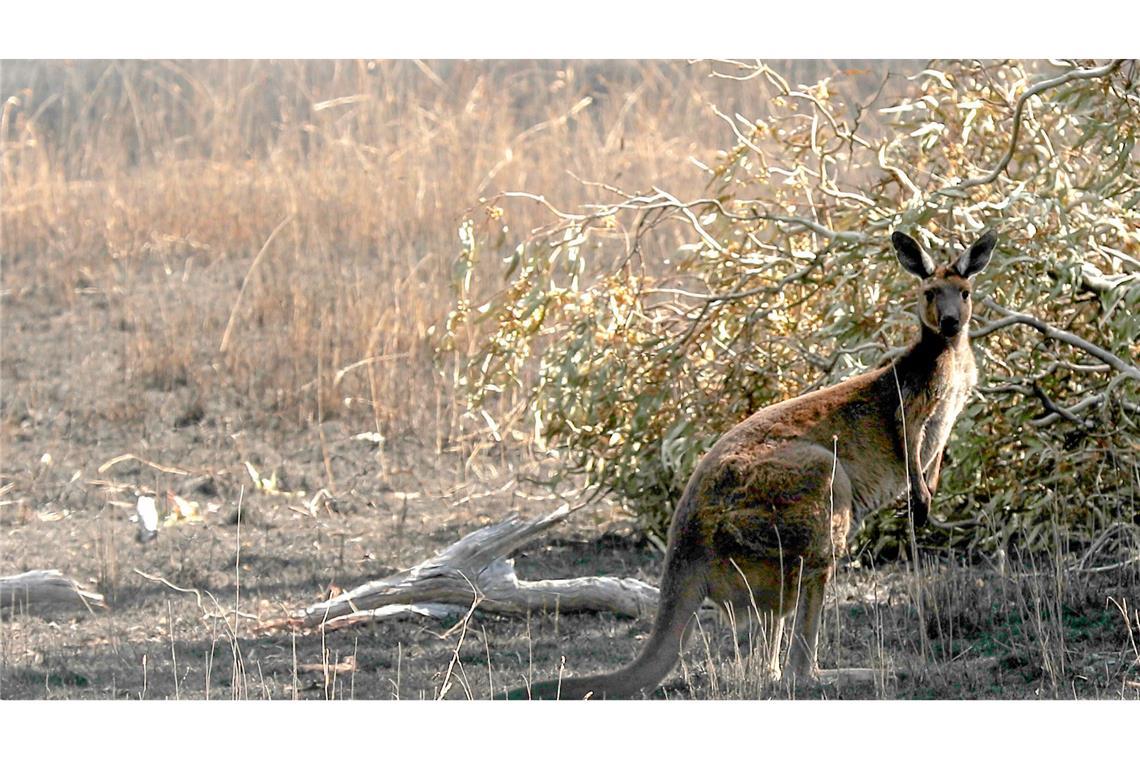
x=950, y=326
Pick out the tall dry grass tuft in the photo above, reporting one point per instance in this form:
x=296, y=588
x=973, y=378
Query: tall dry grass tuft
x=153, y=189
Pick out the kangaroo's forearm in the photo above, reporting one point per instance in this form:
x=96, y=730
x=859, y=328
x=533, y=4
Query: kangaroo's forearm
x=935, y=473
x=914, y=468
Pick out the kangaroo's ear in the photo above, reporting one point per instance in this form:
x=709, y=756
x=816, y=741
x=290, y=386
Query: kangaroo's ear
x=974, y=260
x=911, y=256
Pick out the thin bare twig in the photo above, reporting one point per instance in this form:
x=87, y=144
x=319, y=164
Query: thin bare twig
x=461, y=626
x=128, y=457
x=222, y=612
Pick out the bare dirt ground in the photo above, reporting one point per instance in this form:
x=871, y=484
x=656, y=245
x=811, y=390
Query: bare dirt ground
x=183, y=610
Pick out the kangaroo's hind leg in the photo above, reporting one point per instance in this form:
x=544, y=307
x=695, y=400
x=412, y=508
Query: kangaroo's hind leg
x=781, y=525
x=803, y=653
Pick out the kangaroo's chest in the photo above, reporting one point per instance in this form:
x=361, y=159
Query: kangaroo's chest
x=947, y=400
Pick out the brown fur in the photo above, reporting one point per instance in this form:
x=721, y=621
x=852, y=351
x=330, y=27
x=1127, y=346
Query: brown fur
x=768, y=509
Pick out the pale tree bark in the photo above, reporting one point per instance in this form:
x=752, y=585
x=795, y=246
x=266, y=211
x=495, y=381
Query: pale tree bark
x=44, y=591
x=475, y=572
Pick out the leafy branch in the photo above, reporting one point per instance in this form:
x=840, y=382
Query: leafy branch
x=1019, y=108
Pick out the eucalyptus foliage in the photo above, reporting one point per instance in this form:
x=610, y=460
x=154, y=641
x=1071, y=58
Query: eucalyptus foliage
x=632, y=333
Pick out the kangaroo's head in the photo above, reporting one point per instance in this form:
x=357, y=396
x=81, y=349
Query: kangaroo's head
x=944, y=304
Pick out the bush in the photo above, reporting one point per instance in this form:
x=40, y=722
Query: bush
x=633, y=332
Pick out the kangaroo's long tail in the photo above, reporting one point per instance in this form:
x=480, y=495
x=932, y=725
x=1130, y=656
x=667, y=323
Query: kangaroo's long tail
x=683, y=588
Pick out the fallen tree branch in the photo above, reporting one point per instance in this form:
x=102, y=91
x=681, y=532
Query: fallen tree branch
x=429, y=610
x=475, y=571
x=43, y=590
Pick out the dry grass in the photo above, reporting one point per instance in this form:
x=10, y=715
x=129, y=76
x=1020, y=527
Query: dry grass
x=153, y=186
x=1024, y=632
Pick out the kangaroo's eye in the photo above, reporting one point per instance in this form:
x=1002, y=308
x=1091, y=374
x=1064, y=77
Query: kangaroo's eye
x=965, y=295
x=929, y=295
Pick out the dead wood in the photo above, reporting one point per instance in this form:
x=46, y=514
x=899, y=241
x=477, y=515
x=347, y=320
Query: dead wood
x=475, y=571
x=43, y=591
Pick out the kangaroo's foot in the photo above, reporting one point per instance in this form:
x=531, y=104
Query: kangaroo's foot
x=848, y=676
x=808, y=682
x=795, y=678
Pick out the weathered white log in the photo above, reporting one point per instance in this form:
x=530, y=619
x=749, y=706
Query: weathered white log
x=429, y=610
x=475, y=571
x=43, y=590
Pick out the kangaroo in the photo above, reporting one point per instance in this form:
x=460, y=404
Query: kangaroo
x=768, y=508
